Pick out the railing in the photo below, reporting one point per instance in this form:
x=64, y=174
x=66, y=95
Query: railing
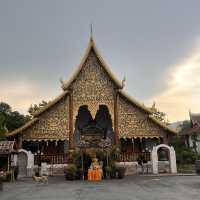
x=133, y=156
x=51, y=159
x=63, y=158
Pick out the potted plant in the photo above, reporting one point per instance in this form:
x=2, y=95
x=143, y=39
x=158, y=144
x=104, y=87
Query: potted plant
x=70, y=172
x=113, y=171
x=121, y=171
x=107, y=172
x=8, y=176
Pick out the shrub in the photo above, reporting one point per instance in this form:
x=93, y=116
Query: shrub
x=8, y=176
x=79, y=174
x=107, y=172
x=113, y=171
x=115, y=153
x=70, y=172
x=120, y=171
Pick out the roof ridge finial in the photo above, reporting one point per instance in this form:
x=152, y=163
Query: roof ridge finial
x=91, y=31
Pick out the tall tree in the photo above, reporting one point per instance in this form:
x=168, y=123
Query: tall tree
x=10, y=120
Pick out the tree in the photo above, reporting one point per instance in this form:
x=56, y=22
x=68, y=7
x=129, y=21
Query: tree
x=184, y=126
x=161, y=116
x=15, y=120
x=10, y=120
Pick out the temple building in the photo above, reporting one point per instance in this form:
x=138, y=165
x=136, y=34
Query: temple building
x=92, y=102
x=191, y=134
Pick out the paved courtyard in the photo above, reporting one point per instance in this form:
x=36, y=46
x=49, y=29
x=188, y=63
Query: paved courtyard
x=133, y=188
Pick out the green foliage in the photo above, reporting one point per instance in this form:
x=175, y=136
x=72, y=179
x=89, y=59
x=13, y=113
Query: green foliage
x=184, y=155
x=8, y=176
x=161, y=116
x=70, y=172
x=115, y=153
x=113, y=170
x=184, y=126
x=10, y=120
x=121, y=170
x=108, y=158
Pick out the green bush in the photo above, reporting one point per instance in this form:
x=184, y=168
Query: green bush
x=120, y=171
x=184, y=155
x=113, y=170
x=107, y=172
x=70, y=172
x=115, y=153
x=8, y=176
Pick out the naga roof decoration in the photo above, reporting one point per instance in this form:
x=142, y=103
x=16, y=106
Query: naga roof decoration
x=91, y=46
x=163, y=125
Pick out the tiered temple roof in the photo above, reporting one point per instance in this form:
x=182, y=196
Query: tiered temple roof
x=118, y=84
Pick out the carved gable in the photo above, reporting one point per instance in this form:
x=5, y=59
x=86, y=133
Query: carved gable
x=53, y=124
x=93, y=87
x=133, y=122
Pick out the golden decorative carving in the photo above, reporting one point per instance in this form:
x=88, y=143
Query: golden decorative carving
x=51, y=124
x=133, y=122
x=93, y=87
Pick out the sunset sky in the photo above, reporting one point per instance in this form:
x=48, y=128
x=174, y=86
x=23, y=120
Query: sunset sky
x=155, y=44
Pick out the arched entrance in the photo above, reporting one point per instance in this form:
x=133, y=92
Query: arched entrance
x=162, y=153
x=22, y=163
x=100, y=125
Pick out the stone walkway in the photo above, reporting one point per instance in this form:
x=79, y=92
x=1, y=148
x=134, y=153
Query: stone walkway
x=130, y=188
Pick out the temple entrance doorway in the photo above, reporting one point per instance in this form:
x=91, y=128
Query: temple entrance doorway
x=100, y=127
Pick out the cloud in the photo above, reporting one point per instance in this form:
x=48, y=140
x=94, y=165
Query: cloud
x=183, y=88
x=20, y=94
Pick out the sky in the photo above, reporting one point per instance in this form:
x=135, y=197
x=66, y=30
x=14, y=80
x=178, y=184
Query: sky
x=154, y=44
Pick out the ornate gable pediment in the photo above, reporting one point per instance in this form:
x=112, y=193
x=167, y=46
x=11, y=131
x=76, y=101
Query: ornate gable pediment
x=93, y=86
x=92, y=49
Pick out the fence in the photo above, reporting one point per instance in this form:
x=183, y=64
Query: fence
x=133, y=156
x=51, y=159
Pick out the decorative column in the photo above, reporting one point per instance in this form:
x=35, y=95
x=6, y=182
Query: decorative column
x=71, y=143
x=116, y=118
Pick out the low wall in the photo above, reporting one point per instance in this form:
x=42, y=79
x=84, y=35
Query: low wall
x=131, y=167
